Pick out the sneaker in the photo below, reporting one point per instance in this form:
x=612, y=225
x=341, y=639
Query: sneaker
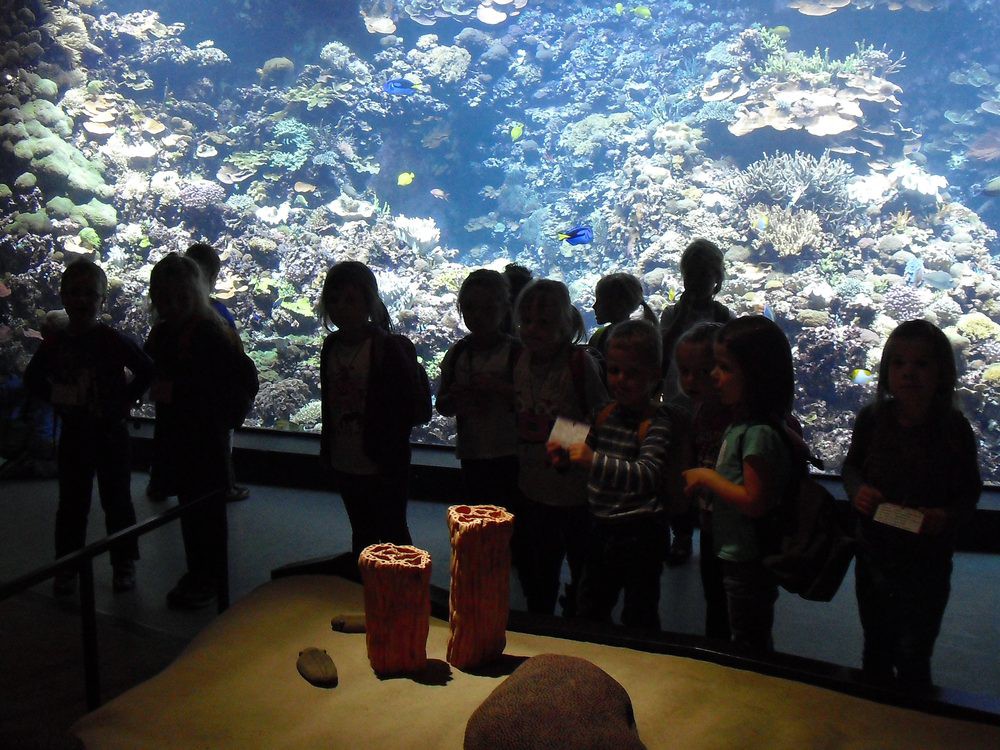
x=237, y=493
x=123, y=577
x=680, y=550
x=64, y=584
x=191, y=592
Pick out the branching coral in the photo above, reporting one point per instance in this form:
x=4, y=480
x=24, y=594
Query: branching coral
x=790, y=232
x=801, y=180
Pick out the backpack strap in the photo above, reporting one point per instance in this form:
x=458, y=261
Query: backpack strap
x=578, y=376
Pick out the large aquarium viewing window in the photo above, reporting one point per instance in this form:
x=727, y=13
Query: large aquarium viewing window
x=844, y=155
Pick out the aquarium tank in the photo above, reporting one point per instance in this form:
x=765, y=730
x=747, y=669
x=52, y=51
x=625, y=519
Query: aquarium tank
x=844, y=155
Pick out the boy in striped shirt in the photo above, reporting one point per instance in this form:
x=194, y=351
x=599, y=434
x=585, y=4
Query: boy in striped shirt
x=625, y=454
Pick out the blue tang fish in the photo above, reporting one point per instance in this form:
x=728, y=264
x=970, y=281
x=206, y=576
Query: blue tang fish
x=401, y=87
x=768, y=312
x=579, y=235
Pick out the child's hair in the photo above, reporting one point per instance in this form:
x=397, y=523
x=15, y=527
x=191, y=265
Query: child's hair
x=85, y=269
x=555, y=293
x=700, y=333
x=640, y=337
x=628, y=289
x=762, y=352
x=177, y=268
x=517, y=277
x=356, y=274
x=493, y=282
x=704, y=253
x=207, y=259
x=942, y=353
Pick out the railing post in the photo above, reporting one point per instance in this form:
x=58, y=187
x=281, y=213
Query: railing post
x=88, y=629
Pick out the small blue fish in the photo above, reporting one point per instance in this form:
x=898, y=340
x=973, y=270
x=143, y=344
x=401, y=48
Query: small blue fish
x=941, y=280
x=862, y=376
x=768, y=312
x=579, y=235
x=914, y=271
x=401, y=87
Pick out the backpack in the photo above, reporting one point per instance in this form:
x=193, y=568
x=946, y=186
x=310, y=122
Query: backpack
x=806, y=546
x=419, y=383
x=241, y=389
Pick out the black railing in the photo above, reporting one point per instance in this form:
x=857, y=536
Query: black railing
x=82, y=562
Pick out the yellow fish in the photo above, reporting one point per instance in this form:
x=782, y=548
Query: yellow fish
x=619, y=8
x=861, y=376
x=643, y=12
x=516, y=131
x=782, y=32
x=405, y=179
x=671, y=294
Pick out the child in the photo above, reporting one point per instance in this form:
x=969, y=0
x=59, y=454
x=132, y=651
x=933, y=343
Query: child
x=754, y=376
x=368, y=381
x=616, y=297
x=709, y=419
x=477, y=387
x=197, y=369
x=208, y=261
x=913, y=448
x=702, y=271
x=92, y=375
x=624, y=455
x=552, y=378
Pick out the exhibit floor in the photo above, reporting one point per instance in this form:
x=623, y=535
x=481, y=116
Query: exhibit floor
x=138, y=634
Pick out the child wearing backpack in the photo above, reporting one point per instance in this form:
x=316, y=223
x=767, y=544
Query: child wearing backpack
x=911, y=448
x=754, y=376
x=624, y=455
x=709, y=419
x=477, y=388
x=80, y=369
x=616, y=297
x=552, y=378
x=372, y=394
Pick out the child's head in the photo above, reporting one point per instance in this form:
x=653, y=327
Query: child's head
x=616, y=296
x=83, y=289
x=703, y=269
x=695, y=358
x=208, y=261
x=753, y=368
x=634, y=355
x=177, y=289
x=484, y=301
x=917, y=367
x=350, y=298
x=546, y=319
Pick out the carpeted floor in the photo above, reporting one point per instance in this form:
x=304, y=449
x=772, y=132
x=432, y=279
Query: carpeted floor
x=42, y=689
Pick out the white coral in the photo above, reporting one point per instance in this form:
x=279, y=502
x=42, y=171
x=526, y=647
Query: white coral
x=420, y=234
x=448, y=64
x=911, y=176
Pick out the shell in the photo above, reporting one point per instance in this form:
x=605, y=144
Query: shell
x=349, y=622
x=317, y=668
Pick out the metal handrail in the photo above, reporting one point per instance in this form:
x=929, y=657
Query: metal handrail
x=82, y=560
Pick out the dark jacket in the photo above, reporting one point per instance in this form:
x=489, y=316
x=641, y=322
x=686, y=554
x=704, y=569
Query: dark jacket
x=389, y=400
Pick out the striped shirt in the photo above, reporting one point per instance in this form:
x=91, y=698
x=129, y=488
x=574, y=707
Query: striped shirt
x=625, y=476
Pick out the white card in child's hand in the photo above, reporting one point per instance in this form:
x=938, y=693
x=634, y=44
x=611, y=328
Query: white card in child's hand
x=908, y=519
x=566, y=432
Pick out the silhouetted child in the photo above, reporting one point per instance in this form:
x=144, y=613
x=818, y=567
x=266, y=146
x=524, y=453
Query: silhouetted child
x=616, y=297
x=92, y=375
x=624, y=455
x=208, y=261
x=368, y=380
x=702, y=271
x=552, y=378
x=197, y=365
x=911, y=448
x=709, y=419
x=477, y=387
x=754, y=376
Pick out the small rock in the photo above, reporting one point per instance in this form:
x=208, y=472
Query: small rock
x=317, y=668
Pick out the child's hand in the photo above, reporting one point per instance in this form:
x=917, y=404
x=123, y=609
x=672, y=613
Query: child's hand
x=695, y=478
x=867, y=499
x=935, y=521
x=581, y=454
x=557, y=455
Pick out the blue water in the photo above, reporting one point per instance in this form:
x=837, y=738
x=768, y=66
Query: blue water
x=554, y=70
